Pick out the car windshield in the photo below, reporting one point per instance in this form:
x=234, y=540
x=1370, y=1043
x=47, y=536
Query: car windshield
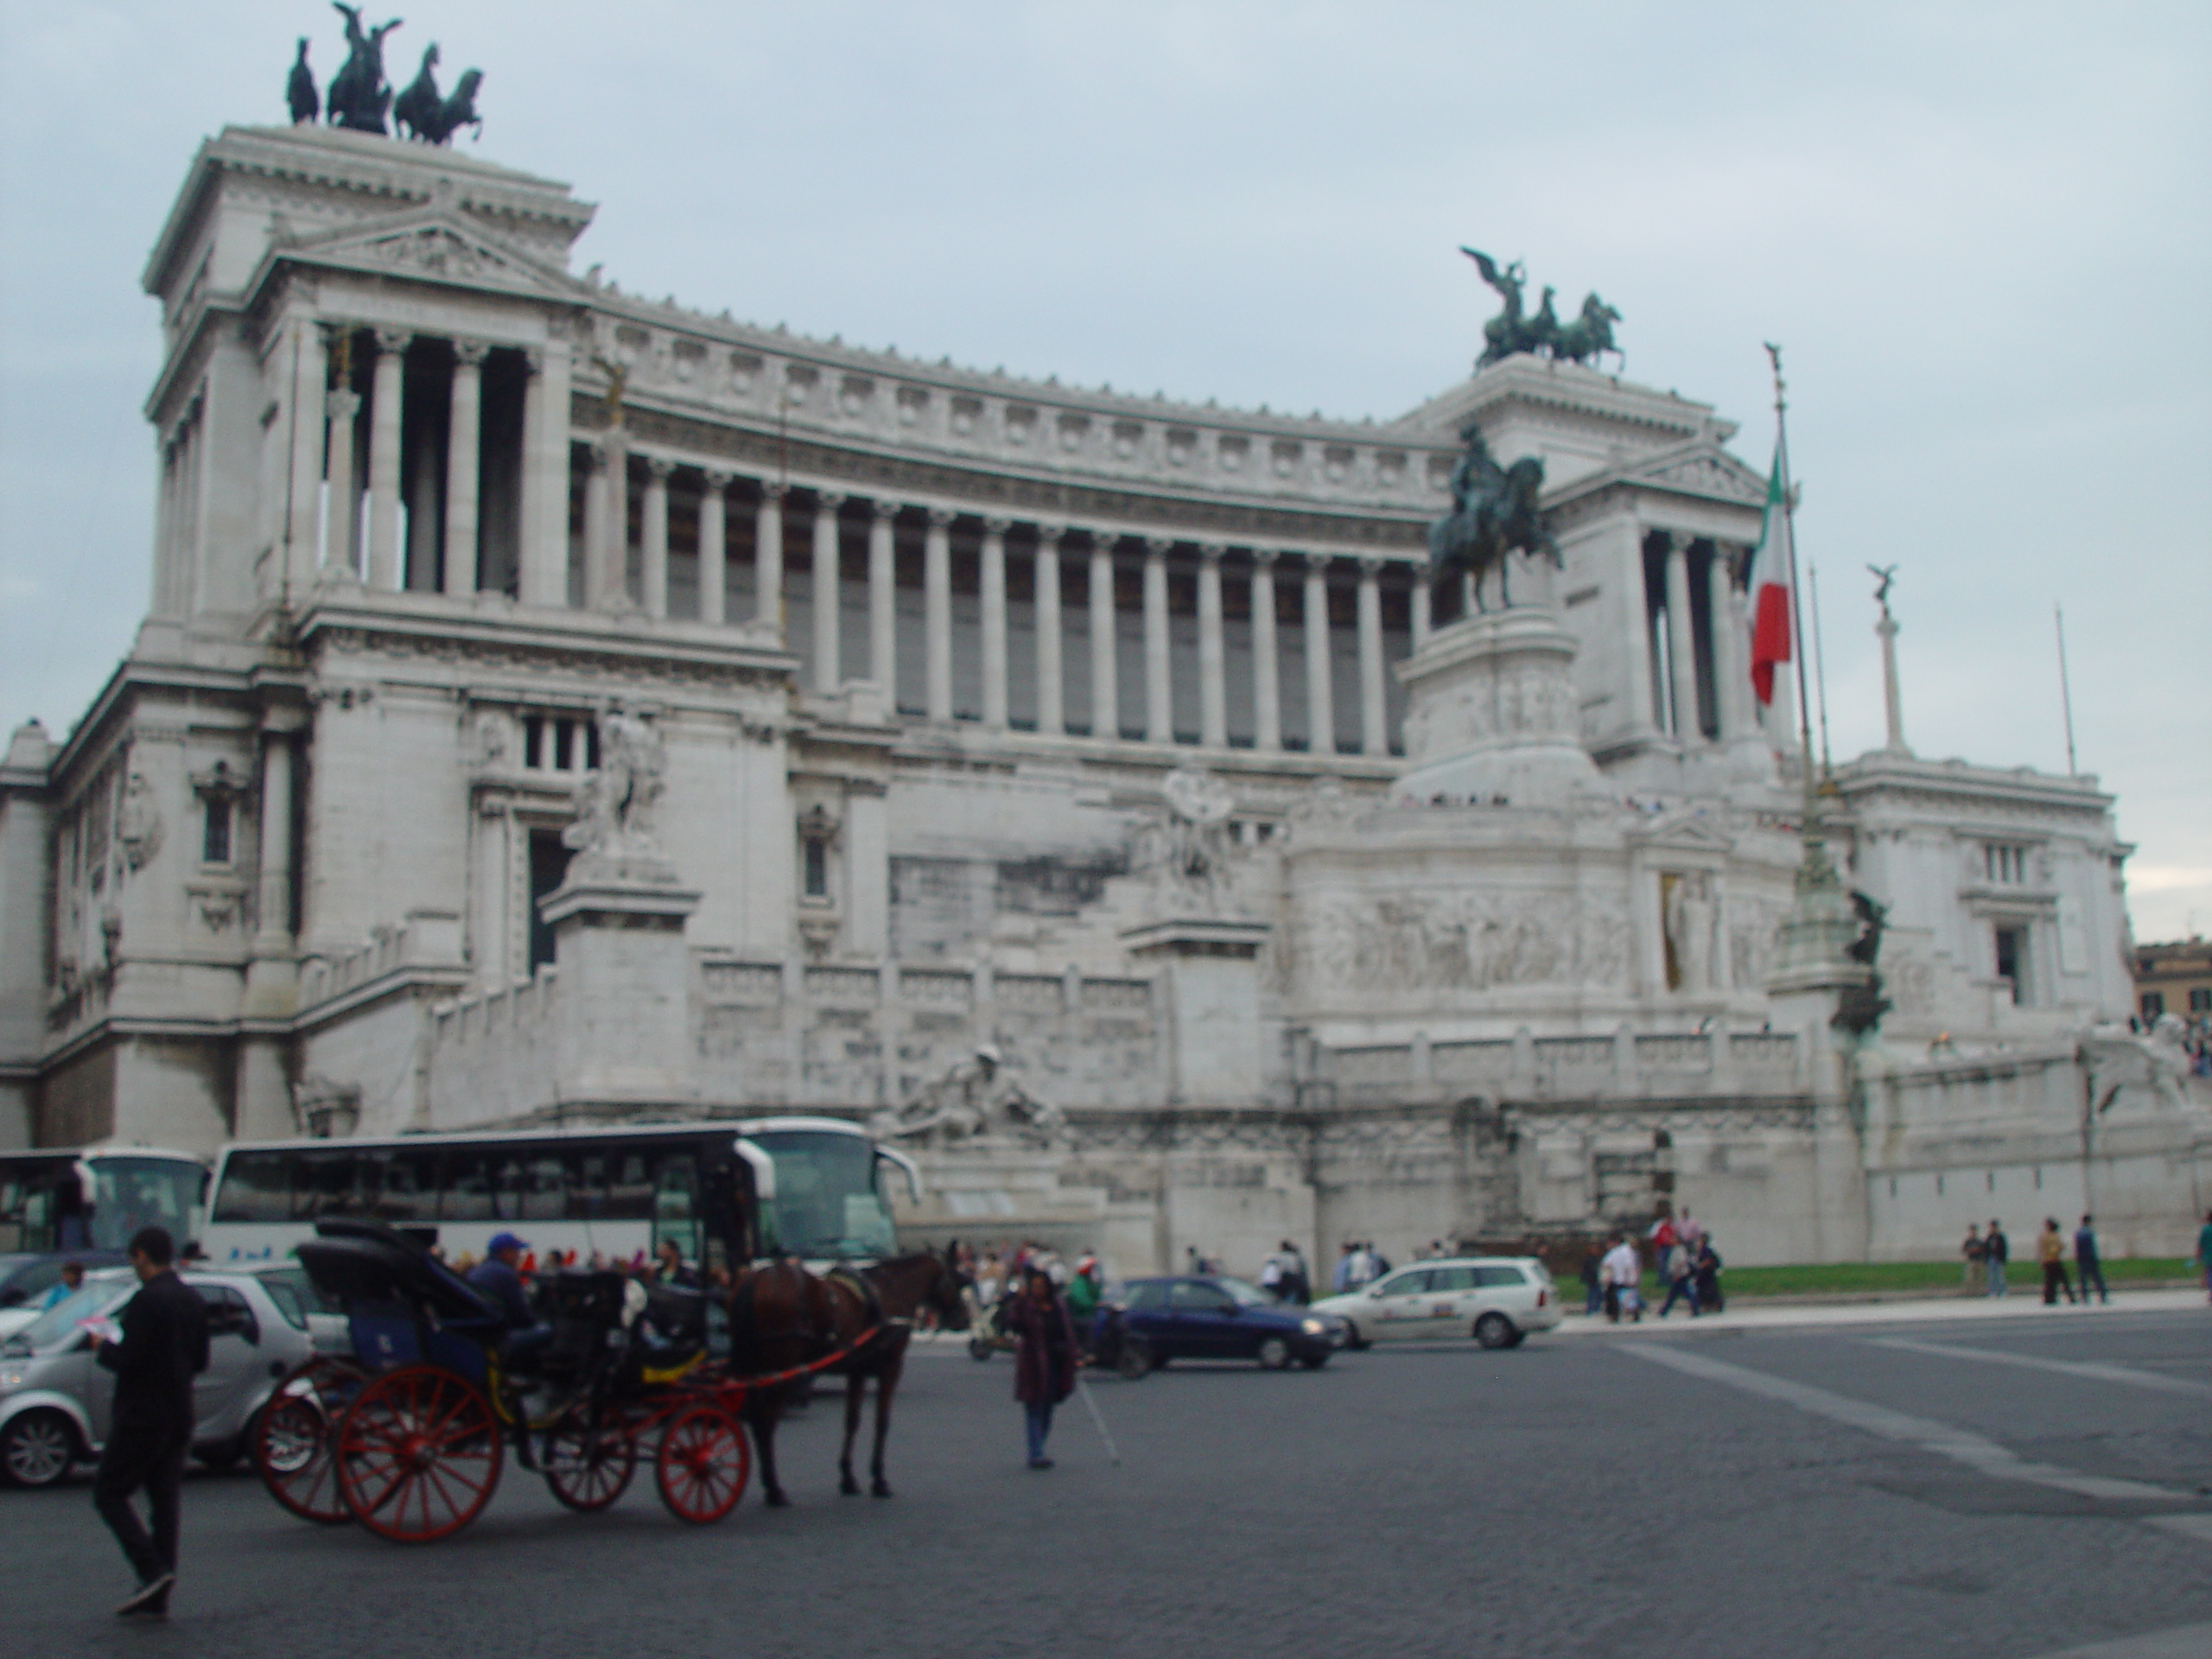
x=59, y=1323
x=1248, y=1294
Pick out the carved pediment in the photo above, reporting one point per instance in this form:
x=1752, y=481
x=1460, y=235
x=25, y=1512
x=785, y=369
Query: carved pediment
x=1684, y=832
x=436, y=246
x=1706, y=471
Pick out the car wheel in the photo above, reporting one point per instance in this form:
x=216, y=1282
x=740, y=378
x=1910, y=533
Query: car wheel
x=1495, y=1331
x=979, y=1348
x=1353, y=1340
x=1314, y=1361
x=221, y=1454
x=1273, y=1353
x=1136, y=1360
x=38, y=1448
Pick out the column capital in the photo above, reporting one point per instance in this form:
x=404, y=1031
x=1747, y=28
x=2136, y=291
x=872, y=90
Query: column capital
x=1317, y=564
x=534, y=357
x=1048, y=535
x=718, y=479
x=942, y=518
x=660, y=467
x=829, y=500
x=1156, y=546
x=394, y=339
x=471, y=352
x=886, y=511
x=1369, y=568
x=995, y=525
x=1213, y=553
x=1265, y=557
x=342, y=405
x=1105, y=541
x=773, y=491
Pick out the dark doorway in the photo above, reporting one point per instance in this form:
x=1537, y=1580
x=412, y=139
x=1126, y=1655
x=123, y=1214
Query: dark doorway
x=549, y=867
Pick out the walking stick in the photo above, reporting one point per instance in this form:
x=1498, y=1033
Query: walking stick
x=1113, y=1452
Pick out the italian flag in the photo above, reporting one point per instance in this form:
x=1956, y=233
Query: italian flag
x=1768, y=587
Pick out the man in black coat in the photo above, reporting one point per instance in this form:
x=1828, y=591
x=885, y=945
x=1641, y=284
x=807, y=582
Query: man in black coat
x=164, y=1346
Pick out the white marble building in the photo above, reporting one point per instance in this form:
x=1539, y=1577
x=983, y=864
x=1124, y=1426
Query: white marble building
x=1473, y=933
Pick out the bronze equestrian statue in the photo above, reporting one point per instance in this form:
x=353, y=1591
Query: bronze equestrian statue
x=299, y=90
x=1508, y=334
x=1494, y=511
x=360, y=95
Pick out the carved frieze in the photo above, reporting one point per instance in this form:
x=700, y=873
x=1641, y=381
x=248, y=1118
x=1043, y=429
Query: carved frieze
x=1453, y=940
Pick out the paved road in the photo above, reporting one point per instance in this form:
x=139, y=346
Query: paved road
x=1997, y=1491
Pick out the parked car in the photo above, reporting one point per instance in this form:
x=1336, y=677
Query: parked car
x=1495, y=1299
x=56, y=1399
x=295, y=1294
x=26, y=1278
x=1214, y=1317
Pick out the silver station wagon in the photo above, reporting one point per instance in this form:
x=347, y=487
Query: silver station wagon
x=1495, y=1299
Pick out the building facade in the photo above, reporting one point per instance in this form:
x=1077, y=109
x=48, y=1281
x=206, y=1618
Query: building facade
x=989, y=738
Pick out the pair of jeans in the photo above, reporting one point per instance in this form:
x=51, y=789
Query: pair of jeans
x=151, y=1456
x=2054, y=1280
x=1683, y=1289
x=1996, y=1278
x=2092, y=1268
x=1037, y=1420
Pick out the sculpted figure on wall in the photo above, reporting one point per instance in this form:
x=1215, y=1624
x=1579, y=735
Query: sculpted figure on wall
x=138, y=825
x=1192, y=850
x=975, y=1099
x=616, y=804
x=1463, y=941
x=1690, y=916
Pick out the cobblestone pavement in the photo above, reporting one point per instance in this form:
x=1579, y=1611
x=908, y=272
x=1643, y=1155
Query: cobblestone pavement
x=1998, y=1491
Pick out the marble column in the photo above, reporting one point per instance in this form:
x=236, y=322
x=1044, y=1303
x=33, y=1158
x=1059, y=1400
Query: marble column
x=546, y=476
x=1158, y=682
x=714, y=545
x=1424, y=601
x=1730, y=677
x=303, y=494
x=993, y=581
x=1320, y=695
x=464, y=460
x=828, y=581
x=768, y=558
x=599, y=461
x=1681, y=642
x=936, y=608
x=273, y=901
x=342, y=508
x=1051, y=718
x=383, y=457
x=883, y=602
x=1105, y=689
x=1213, y=689
x=1374, y=727
x=1267, y=664
x=652, y=531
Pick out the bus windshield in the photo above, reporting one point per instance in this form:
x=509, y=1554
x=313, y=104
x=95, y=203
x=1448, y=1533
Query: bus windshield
x=827, y=1204
x=96, y=1200
x=128, y=1194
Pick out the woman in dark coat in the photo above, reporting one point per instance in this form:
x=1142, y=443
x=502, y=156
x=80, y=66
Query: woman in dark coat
x=1043, y=1359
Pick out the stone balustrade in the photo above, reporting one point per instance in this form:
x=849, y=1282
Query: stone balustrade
x=1622, y=1065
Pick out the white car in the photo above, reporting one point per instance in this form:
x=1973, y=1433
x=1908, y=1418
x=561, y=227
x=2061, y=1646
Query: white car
x=1495, y=1299
x=55, y=1398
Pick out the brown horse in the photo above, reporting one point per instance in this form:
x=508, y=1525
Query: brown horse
x=781, y=1316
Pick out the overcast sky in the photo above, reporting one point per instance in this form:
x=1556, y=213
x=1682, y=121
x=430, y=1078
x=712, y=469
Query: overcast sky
x=1981, y=232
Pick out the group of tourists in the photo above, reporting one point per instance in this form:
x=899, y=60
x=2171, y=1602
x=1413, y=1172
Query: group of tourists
x=1359, y=1263
x=1683, y=1255
x=1986, y=1255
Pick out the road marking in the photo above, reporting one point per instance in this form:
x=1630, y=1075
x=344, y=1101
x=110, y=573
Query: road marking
x=2090, y=1369
x=2188, y=1642
x=1960, y=1446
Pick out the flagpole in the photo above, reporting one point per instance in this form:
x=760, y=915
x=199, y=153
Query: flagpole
x=2065, y=688
x=1790, y=522
x=1819, y=665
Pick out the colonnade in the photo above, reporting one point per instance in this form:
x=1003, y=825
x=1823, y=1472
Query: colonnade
x=1700, y=668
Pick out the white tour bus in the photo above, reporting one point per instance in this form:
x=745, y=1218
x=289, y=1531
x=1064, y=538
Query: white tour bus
x=727, y=1191
x=93, y=1198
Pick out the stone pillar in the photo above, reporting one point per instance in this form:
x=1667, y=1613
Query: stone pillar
x=1642, y=718
x=653, y=531
x=1892, y=695
x=1731, y=678
x=311, y=369
x=273, y=901
x=545, y=476
x=994, y=594
x=1374, y=726
x=936, y=607
x=714, y=545
x=464, y=452
x=829, y=579
x=768, y=559
x=607, y=523
x=883, y=602
x=1051, y=718
x=1105, y=689
x=1681, y=642
x=383, y=458
x=1213, y=688
x=1424, y=607
x=1267, y=695
x=343, y=509
x=1159, y=685
x=1320, y=697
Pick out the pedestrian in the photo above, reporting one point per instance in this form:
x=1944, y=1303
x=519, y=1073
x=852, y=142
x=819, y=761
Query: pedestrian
x=163, y=1346
x=1663, y=1238
x=1271, y=1277
x=72, y=1280
x=2204, y=1251
x=1297, y=1286
x=669, y=1267
x=2088, y=1263
x=1340, y=1276
x=1593, y=1290
x=1996, y=1251
x=1624, y=1269
x=1691, y=1232
x=1971, y=1252
x=1044, y=1358
x=2050, y=1251
x=1709, y=1277
x=1681, y=1278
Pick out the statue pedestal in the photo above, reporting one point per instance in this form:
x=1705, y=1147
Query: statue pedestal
x=1491, y=712
x=624, y=1033
x=1211, y=985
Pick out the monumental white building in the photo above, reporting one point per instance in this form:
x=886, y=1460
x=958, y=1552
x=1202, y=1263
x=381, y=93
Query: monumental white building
x=1098, y=790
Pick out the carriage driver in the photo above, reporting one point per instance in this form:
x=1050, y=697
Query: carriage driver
x=499, y=1277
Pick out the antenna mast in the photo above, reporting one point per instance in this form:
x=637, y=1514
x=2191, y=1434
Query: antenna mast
x=2065, y=688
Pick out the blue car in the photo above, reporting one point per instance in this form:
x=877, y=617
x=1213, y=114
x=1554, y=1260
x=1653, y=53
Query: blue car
x=1214, y=1317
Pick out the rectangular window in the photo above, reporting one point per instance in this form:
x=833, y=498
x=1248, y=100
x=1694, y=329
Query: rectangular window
x=257, y=1186
x=2012, y=960
x=215, y=834
x=817, y=867
x=471, y=1188
x=2200, y=1000
x=2004, y=863
x=549, y=867
x=2154, y=1004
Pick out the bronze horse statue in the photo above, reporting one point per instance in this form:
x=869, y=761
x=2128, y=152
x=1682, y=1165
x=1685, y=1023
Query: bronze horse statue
x=1494, y=511
x=783, y=1316
x=423, y=114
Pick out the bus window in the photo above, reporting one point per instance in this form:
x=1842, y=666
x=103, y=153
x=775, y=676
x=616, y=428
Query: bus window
x=630, y=1186
x=584, y=1174
x=408, y=1194
x=535, y=1188
x=328, y=1184
x=676, y=1203
x=257, y=1186
x=471, y=1191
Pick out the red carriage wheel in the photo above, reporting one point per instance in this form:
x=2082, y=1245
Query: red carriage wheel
x=702, y=1464
x=418, y=1454
x=293, y=1438
x=587, y=1466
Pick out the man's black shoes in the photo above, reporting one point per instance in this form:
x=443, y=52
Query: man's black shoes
x=152, y=1599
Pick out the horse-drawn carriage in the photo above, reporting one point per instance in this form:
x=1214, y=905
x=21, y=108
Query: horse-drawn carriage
x=408, y=1436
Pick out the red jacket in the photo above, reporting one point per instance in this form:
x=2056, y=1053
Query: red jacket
x=1045, y=1351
